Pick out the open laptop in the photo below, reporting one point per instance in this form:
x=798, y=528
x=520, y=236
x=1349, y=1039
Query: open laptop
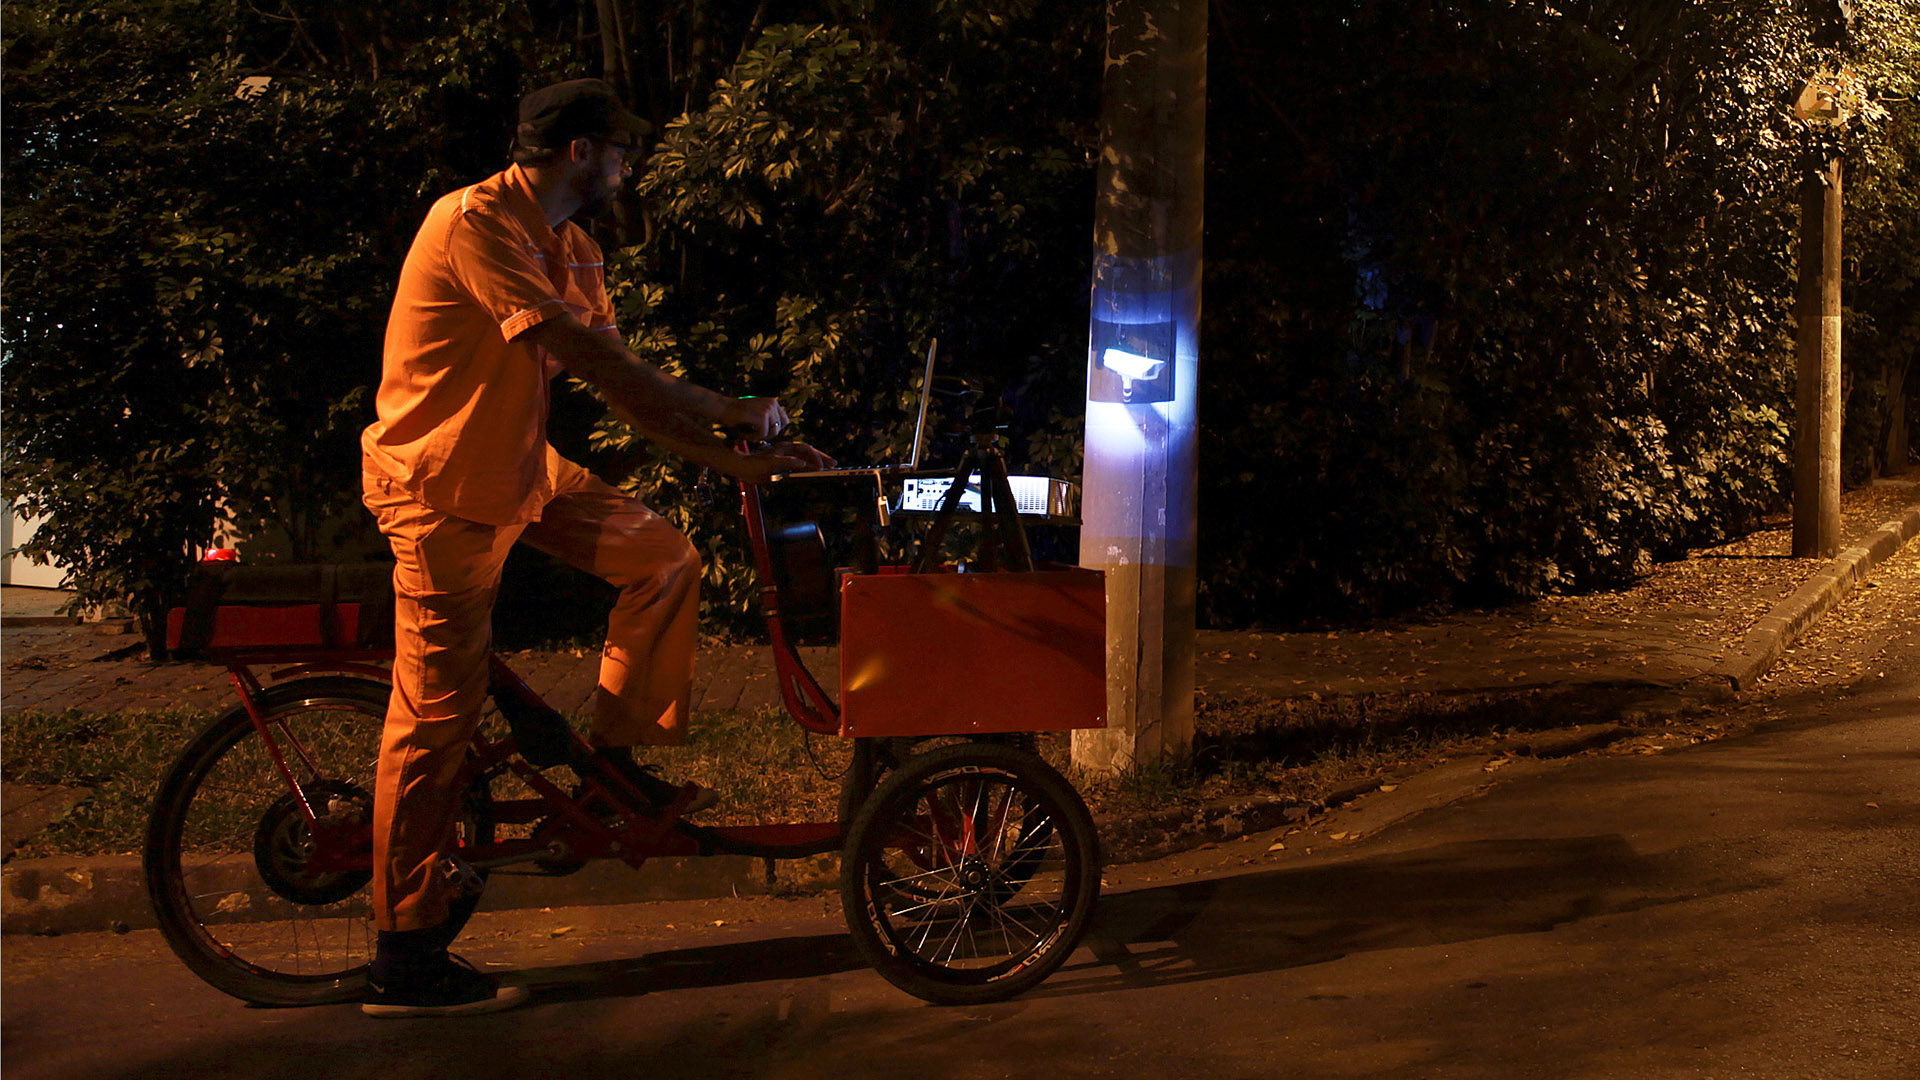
x=1034, y=496
x=919, y=437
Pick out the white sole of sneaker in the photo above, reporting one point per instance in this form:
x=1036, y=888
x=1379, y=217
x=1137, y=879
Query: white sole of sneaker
x=506, y=997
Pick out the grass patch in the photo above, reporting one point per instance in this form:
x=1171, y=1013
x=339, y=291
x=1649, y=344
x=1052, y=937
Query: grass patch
x=764, y=765
x=120, y=756
x=768, y=769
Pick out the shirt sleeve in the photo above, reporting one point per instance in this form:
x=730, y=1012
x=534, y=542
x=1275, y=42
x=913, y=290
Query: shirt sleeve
x=589, y=270
x=493, y=262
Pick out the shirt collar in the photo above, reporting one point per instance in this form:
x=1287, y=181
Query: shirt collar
x=518, y=191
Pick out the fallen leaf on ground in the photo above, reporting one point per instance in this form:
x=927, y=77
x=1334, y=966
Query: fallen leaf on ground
x=559, y=931
x=1276, y=846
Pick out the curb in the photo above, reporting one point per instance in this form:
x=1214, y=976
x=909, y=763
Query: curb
x=1780, y=627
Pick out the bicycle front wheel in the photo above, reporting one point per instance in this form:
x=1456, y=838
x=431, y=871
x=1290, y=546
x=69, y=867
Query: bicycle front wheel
x=240, y=888
x=970, y=874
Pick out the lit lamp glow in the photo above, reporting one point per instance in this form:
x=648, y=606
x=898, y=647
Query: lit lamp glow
x=1133, y=362
x=1131, y=367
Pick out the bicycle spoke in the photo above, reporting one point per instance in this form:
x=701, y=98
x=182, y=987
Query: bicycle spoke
x=924, y=875
x=1001, y=917
x=940, y=901
x=1027, y=838
x=1000, y=826
x=1001, y=913
x=950, y=941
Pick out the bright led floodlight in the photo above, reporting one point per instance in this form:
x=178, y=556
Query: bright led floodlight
x=1131, y=367
x=1132, y=362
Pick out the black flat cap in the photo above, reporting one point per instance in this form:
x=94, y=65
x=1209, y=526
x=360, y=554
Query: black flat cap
x=553, y=116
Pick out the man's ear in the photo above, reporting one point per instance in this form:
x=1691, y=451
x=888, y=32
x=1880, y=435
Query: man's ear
x=580, y=150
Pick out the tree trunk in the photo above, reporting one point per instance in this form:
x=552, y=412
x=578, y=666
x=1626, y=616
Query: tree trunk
x=152, y=613
x=1899, y=451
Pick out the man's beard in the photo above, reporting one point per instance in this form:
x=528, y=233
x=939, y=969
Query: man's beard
x=597, y=199
x=596, y=202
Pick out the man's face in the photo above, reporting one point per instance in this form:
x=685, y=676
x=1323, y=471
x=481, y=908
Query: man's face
x=607, y=169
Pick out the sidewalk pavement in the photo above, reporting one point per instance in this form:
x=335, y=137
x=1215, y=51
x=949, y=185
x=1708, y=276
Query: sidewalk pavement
x=1695, y=630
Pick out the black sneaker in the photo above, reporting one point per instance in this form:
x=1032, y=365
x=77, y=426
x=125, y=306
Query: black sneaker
x=446, y=987
x=659, y=792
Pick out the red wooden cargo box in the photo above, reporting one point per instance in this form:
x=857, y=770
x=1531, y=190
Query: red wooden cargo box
x=962, y=654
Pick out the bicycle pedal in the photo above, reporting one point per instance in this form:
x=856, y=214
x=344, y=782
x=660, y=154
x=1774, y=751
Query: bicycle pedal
x=560, y=862
x=616, y=770
x=608, y=807
x=465, y=879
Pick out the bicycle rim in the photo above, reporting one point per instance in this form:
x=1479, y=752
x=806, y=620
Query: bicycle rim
x=226, y=847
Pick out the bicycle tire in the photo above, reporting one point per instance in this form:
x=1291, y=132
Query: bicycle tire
x=1026, y=874
x=224, y=840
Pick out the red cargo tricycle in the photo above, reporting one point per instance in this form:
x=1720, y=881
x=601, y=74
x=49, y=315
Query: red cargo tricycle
x=969, y=866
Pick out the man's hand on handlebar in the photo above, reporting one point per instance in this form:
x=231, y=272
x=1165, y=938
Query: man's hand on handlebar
x=759, y=419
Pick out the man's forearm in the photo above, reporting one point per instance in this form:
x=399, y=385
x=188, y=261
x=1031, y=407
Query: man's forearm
x=686, y=437
x=641, y=393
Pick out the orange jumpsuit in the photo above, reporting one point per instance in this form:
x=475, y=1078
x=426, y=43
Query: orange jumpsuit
x=456, y=469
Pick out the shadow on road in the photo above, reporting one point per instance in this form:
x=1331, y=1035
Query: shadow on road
x=785, y=1018
x=735, y=964
x=1243, y=923
x=1309, y=915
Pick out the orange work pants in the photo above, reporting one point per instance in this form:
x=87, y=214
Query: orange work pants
x=445, y=578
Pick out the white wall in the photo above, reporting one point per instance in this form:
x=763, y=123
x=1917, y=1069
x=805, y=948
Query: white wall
x=17, y=569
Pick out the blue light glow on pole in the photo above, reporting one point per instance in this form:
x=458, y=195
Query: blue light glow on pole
x=1142, y=366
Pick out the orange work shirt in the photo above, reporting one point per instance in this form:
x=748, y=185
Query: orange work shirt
x=462, y=404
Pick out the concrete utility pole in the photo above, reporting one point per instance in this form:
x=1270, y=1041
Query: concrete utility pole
x=1138, y=501
x=1816, y=414
x=1816, y=411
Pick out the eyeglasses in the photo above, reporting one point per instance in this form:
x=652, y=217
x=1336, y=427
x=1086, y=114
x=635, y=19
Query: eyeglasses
x=629, y=151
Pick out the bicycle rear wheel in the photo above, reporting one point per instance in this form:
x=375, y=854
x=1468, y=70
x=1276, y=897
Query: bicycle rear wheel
x=229, y=856
x=970, y=874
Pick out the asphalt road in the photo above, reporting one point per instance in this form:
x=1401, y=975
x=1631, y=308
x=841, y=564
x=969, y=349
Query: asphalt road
x=1743, y=907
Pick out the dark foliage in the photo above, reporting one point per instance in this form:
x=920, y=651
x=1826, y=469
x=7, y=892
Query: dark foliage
x=1498, y=295
x=1504, y=291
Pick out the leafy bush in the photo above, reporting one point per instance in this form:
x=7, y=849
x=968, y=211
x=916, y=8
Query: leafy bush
x=199, y=262
x=845, y=196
